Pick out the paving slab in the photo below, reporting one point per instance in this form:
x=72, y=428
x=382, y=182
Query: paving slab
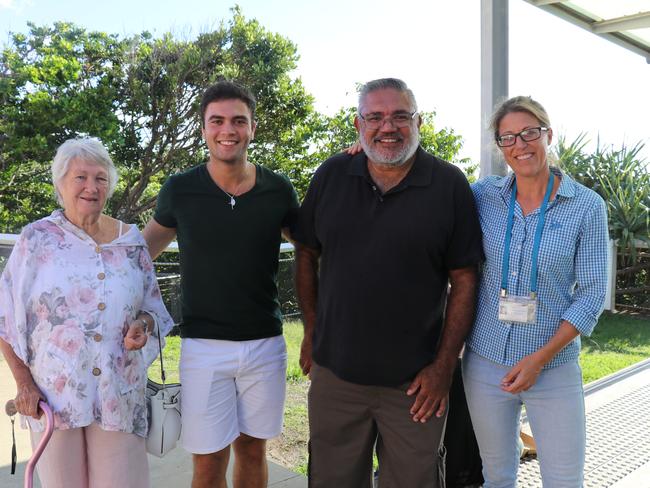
x=618, y=421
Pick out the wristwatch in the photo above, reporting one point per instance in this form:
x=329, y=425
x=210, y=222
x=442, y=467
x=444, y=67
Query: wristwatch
x=146, y=326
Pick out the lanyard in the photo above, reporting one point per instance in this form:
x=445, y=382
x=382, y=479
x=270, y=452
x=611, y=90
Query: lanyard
x=538, y=238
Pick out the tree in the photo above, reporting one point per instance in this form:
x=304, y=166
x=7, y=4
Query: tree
x=140, y=96
x=54, y=83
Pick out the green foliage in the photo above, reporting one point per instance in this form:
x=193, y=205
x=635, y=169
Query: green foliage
x=445, y=144
x=140, y=96
x=622, y=179
x=326, y=136
x=55, y=82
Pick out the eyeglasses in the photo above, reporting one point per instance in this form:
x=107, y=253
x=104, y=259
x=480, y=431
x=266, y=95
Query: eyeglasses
x=397, y=120
x=526, y=135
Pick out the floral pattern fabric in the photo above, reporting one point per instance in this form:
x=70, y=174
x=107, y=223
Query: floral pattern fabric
x=65, y=306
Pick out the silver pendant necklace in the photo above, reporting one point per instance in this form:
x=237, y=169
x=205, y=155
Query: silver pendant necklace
x=233, y=194
x=232, y=199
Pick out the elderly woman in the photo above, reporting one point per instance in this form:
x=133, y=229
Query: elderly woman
x=78, y=302
x=542, y=285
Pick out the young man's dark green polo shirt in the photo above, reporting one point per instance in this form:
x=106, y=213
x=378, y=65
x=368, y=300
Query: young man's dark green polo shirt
x=229, y=256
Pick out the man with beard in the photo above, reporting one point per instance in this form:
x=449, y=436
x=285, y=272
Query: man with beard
x=228, y=215
x=381, y=235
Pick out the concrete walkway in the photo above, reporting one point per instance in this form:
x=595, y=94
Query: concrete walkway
x=618, y=445
x=618, y=421
x=174, y=471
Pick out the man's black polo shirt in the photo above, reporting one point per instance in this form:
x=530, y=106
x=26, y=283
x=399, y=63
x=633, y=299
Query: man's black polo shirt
x=384, y=263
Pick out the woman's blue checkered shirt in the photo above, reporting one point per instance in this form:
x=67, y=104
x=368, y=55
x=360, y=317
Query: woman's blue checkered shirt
x=572, y=274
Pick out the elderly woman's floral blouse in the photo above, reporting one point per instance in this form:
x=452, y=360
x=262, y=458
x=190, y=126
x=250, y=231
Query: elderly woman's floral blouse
x=65, y=306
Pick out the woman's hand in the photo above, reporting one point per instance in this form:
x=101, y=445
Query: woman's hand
x=136, y=336
x=523, y=375
x=353, y=149
x=27, y=399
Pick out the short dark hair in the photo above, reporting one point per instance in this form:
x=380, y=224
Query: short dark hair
x=227, y=90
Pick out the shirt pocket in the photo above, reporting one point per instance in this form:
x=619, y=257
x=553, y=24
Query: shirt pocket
x=54, y=366
x=133, y=374
x=557, y=255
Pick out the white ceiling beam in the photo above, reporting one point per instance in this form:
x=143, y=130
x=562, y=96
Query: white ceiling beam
x=629, y=22
x=537, y=3
x=586, y=20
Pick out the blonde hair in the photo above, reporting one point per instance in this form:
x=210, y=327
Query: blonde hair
x=519, y=104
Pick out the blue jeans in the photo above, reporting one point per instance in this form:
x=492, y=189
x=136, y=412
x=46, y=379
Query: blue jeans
x=555, y=410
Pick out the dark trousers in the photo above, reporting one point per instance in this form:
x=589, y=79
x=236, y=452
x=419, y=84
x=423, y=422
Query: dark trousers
x=347, y=420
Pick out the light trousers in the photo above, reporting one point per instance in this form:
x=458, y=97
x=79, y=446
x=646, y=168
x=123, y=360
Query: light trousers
x=555, y=410
x=89, y=457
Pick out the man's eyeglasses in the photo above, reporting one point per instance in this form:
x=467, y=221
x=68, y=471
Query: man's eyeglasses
x=397, y=120
x=526, y=135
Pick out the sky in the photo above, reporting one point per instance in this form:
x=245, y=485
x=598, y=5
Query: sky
x=587, y=84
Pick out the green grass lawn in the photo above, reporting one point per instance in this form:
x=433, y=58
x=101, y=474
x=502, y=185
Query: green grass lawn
x=172, y=352
x=617, y=342
x=171, y=355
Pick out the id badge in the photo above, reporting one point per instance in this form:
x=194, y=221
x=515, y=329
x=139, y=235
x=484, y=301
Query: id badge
x=518, y=309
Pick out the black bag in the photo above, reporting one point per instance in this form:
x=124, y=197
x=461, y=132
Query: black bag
x=463, y=466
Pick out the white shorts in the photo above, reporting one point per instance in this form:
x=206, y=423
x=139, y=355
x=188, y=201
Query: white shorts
x=231, y=388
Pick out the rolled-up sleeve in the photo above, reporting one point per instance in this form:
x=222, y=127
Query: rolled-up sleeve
x=591, y=270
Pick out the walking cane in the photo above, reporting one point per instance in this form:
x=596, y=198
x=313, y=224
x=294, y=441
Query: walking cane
x=10, y=408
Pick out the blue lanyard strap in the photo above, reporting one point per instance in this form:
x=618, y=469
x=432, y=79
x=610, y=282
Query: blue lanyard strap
x=536, y=243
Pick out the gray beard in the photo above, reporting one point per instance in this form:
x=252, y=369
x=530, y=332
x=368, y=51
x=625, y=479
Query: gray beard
x=396, y=161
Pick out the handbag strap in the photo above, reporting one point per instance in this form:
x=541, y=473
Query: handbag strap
x=162, y=367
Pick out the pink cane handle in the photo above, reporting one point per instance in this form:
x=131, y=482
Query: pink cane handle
x=10, y=408
x=49, y=429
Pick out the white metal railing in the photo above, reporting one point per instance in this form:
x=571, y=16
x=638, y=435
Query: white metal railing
x=10, y=240
x=610, y=297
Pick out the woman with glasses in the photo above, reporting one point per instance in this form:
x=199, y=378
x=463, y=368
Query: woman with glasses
x=542, y=285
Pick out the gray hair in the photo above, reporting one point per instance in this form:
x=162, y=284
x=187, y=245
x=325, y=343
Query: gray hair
x=383, y=84
x=87, y=149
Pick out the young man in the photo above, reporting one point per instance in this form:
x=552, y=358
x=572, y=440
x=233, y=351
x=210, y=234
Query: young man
x=381, y=235
x=227, y=215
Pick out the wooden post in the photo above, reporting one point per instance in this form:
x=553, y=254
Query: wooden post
x=610, y=295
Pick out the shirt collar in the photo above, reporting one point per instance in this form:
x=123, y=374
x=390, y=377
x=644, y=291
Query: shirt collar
x=130, y=238
x=420, y=173
x=566, y=189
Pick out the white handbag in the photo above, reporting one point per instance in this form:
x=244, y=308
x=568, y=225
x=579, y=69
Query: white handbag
x=164, y=412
